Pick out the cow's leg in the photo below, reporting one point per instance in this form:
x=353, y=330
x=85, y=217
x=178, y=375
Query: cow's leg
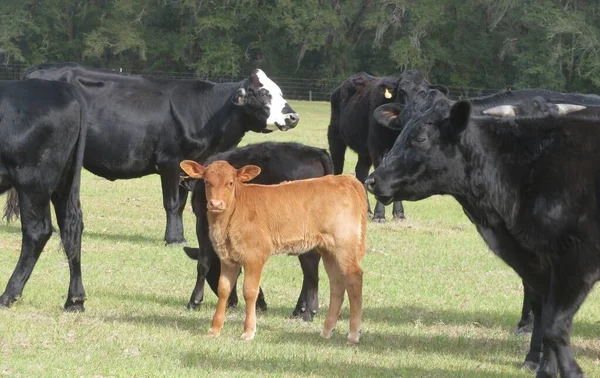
x=37, y=229
x=71, y=230
x=362, y=171
x=308, y=301
x=532, y=360
x=208, y=267
x=567, y=293
x=353, y=279
x=337, y=149
x=212, y=278
x=229, y=273
x=526, y=322
x=169, y=178
x=336, y=293
x=252, y=275
x=398, y=210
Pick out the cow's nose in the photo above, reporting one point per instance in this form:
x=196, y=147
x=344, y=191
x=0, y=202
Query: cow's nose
x=369, y=183
x=215, y=204
x=292, y=120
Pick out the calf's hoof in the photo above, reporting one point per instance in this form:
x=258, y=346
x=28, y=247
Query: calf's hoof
x=7, y=301
x=326, y=334
x=74, y=305
x=353, y=338
x=247, y=336
x=530, y=366
x=193, y=305
x=213, y=332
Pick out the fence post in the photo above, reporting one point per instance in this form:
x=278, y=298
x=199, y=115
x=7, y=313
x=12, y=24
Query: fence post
x=309, y=95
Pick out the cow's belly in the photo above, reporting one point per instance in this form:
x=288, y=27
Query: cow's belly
x=120, y=155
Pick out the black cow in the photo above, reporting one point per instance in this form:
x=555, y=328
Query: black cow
x=528, y=102
x=531, y=186
x=278, y=162
x=42, y=142
x=140, y=125
x=352, y=123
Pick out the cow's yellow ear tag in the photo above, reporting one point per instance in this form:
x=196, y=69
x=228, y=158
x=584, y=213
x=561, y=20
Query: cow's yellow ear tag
x=387, y=93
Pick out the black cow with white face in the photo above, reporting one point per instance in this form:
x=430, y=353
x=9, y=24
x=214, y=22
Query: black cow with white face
x=352, y=123
x=140, y=125
x=530, y=185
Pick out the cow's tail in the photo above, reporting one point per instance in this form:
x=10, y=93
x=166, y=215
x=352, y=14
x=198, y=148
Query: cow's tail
x=73, y=223
x=326, y=162
x=11, y=208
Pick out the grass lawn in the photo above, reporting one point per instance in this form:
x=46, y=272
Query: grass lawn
x=437, y=302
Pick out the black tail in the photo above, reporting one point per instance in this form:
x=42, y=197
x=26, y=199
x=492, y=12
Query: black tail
x=192, y=253
x=73, y=225
x=326, y=162
x=11, y=208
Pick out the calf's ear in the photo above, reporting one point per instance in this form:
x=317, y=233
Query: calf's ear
x=248, y=172
x=192, y=169
x=239, y=97
x=388, y=115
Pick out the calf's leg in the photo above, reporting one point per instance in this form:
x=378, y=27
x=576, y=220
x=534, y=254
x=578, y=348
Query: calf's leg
x=252, y=276
x=353, y=280
x=336, y=293
x=37, y=229
x=229, y=273
x=308, y=301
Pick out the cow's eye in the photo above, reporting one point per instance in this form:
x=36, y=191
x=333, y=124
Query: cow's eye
x=231, y=183
x=420, y=140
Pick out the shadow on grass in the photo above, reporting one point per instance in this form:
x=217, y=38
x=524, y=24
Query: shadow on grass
x=146, y=298
x=272, y=366
x=137, y=239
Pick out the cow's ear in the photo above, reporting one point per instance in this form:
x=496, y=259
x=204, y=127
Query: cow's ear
x=459, y=117
x=388, y=115
x=442, y=88
x=239, y=97
x=248, y=172
x=192, y=169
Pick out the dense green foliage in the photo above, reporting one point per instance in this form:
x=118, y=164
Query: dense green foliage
x=479, y=43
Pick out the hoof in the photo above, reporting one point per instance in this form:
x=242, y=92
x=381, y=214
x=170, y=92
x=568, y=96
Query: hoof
x=213, y=332
x=247, y=336
x=399, y=216
x=261, y=305
x=353, y=338
x=326, y=334
x=74, y=305
x=179, y=243
x=307, y=316
x=524, y=330
x=193, y=305
x=6, y=301
x=530, y=366
x=378, y=219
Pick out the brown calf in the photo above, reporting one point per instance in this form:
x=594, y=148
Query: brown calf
x=249, y=222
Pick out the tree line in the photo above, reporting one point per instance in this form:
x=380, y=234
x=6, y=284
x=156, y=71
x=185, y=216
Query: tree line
x=477, y=43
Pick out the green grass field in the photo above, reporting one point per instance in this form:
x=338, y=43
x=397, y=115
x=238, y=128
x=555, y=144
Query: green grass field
x=437, y=302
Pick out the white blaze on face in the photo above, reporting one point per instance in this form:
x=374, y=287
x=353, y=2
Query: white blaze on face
x=276, y=115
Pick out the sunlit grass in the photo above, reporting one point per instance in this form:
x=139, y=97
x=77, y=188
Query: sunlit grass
x=437, y=303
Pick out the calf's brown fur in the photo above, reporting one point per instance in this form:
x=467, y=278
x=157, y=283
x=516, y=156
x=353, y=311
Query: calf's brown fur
x=250, y=222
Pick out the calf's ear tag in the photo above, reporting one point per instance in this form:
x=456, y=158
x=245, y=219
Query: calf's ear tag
x=387, y=94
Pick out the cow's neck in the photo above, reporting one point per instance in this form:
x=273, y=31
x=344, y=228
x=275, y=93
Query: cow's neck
x=490, y=181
